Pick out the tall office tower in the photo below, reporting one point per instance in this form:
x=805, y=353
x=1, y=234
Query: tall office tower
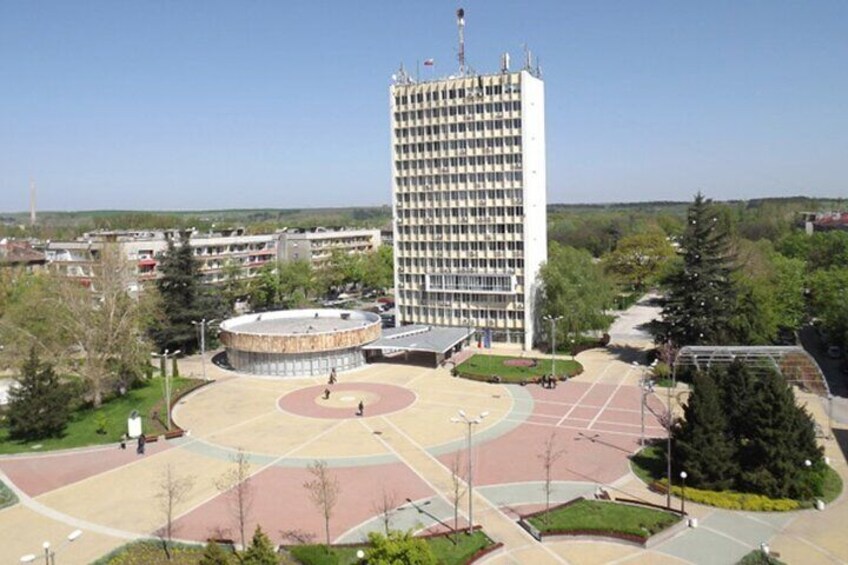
x=469, y=203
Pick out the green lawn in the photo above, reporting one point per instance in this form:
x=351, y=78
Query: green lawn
x=7, y=497
x=443, y=549
x=490, y=365
x=601, y=516
x=82, y=428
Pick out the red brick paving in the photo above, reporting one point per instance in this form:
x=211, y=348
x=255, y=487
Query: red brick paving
x=43, y=473
x=284, y=503
x=305, y=401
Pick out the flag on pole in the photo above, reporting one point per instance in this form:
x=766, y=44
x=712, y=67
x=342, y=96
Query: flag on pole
x=429, y=62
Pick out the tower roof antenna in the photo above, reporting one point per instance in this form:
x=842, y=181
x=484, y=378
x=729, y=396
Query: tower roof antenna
x=460, y=24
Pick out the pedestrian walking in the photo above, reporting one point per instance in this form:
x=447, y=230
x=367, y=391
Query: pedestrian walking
x=326, y=394
x=361, y=409
x=123, y=441
x=140, y=447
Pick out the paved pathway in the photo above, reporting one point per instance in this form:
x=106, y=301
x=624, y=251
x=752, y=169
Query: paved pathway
x=403, y=447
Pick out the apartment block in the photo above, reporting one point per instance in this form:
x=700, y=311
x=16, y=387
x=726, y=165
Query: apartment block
x=469, y=201
x=317, y=245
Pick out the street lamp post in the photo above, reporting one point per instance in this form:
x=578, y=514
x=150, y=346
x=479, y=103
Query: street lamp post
x=647, y=386
x=49, y=553
x=470, y=422
x=668, y=440
x=553, y=320
x=203, y=324
x=167, y=356
x=683, y=476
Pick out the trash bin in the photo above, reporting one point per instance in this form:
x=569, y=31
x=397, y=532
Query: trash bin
x=134, y=424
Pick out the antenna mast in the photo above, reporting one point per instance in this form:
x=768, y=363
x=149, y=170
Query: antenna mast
x=460, y=24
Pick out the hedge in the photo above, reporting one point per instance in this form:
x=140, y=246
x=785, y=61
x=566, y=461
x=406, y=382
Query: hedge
x=731, y=500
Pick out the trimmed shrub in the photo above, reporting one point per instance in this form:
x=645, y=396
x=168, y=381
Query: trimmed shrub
x=731, y=500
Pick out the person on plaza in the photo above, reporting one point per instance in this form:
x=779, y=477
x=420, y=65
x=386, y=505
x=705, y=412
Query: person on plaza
x=140, y=448
x=333, y=378
x=326, y=394
x=123, y=441
x=361, y=409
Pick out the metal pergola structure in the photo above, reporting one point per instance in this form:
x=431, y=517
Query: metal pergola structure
x=794, y=363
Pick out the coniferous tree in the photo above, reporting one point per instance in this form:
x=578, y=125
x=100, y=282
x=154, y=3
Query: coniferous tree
x=704, y=447
x=261, y=550
x=178, y=288
x=781, y=437
x=184, y=299
x=214, y=554
x=699, y=300
x=38, y=405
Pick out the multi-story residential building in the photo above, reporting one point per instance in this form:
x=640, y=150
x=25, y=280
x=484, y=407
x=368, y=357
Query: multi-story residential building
x=19, y=254
x=144, y=249
x=468, y=196
x=318, y=244
x=220, y=255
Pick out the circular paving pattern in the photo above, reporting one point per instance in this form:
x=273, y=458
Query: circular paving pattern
x=344, y=400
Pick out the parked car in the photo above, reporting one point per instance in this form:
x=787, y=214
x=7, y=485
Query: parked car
x=834, y=352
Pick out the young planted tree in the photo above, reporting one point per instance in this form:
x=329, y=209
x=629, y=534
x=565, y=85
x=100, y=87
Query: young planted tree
x=699, y=299
x=385, y=506
x=703, y=446
x=458, y=490
x=236, y=486
x=38, y=405
x=548, y=457
x=214, y=554
x=260, y=552
x=323, y=492
x=173, y=491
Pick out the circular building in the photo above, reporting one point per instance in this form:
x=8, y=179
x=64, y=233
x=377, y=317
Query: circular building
x=298, y=343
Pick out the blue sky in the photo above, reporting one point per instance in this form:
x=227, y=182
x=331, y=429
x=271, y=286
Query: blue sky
x=190, y=104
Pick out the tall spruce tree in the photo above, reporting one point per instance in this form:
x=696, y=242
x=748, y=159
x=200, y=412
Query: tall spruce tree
x=38, y=405
x=184, y=299
x=703, y=445
x=781, y=437
x=699, y=298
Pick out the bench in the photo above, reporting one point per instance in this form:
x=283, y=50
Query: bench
x=173, y=434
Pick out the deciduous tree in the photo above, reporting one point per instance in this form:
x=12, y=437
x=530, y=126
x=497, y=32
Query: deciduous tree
x=576, y=288
x=323, y=491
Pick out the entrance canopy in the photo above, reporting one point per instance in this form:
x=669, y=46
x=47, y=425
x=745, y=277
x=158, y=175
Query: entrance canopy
x=427, y=339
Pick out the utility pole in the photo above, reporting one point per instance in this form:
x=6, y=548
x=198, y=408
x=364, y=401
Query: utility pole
x=202, y=325
x=553, y=320
x=167, y=378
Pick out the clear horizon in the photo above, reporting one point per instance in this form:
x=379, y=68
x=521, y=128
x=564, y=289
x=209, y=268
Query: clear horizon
x=222, y=105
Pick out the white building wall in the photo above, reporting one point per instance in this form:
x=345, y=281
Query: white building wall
x=535, y=197
x=468, y=201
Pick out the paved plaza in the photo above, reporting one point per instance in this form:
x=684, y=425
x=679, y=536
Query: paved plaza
x=403, y=447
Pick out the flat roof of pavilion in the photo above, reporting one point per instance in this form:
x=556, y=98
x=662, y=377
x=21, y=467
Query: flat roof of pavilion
x=431, y=339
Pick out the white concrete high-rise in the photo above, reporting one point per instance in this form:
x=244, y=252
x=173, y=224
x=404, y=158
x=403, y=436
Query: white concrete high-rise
x=469, y=201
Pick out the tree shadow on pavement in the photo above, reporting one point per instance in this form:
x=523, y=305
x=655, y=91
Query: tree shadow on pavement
x=627, y=353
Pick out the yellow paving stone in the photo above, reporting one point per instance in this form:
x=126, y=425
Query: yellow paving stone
x=346, y=438
x=23, y=531
x=126, y=498
x=276, y=434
